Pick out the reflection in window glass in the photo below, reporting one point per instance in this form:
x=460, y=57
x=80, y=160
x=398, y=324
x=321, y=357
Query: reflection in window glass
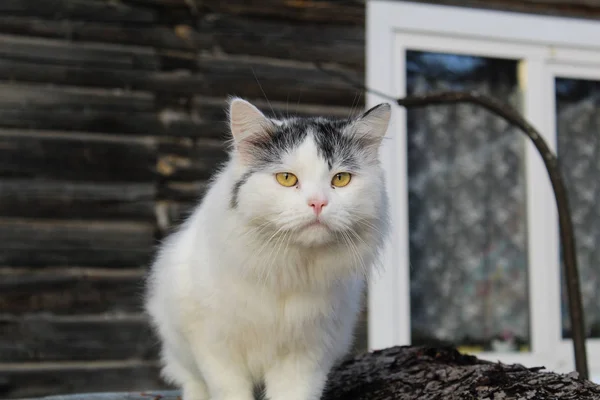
x=467, y=222
x=578, y=129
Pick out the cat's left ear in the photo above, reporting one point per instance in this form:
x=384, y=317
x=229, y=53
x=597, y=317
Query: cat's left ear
x=373, y=124
x=249, y=126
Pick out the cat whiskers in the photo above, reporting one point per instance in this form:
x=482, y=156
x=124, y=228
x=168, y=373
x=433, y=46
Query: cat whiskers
x=256, y=254
x=284, y=239
x=358, y=259
x=245, y=231
x=365, y=222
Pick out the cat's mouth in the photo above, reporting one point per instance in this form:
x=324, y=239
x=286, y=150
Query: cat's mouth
x=316, y=224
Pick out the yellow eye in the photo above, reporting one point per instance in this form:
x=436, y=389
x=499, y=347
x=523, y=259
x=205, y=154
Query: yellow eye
x=341, y=179
x=286, y=179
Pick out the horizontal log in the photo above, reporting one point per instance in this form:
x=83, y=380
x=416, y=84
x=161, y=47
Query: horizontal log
x=207, y=118
x=213, y=109
x=87, y=10
x=41, y=379
x=187, y=160
x=85, y=55
x=85, y=118
x=162, y=37
x=283, y=81
x=232, y=34
x=171, y=215
x=281, y=39
x=321, y=11
x=76, y=157
x=77, y=200
x=165, y=3
x=116, y=111
x=63, y=291
x=216, y=76
x=56, y=98
x=78, y=338
x=38, y=243
x=182, y=191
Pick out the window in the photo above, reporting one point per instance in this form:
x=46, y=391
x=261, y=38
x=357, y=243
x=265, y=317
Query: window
x=474, y=257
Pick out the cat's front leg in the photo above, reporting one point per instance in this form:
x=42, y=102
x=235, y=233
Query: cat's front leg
x=296, y=377
x=225, y=376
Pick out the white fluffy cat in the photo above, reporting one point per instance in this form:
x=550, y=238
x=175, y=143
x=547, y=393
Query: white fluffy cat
x=263, y=283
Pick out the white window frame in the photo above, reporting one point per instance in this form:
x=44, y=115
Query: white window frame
x=545, y=47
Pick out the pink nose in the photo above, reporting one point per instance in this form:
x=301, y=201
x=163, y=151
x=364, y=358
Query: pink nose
x=317, y=205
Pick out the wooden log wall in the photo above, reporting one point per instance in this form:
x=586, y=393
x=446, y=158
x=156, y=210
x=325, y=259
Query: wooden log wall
x=111, y=122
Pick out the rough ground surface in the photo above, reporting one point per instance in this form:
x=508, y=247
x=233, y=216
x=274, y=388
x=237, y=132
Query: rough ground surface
x=407, y=373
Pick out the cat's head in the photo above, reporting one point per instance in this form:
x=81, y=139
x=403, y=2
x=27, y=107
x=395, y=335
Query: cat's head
x=315, y=180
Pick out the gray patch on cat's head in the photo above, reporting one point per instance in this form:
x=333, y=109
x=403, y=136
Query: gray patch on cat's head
x=333, y=145
x=233, y=203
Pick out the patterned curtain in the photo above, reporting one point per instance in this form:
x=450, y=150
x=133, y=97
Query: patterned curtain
x=578, y=126
x=467, y=222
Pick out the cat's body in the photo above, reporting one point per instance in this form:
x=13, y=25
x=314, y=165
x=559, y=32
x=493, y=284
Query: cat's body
x=263, y=283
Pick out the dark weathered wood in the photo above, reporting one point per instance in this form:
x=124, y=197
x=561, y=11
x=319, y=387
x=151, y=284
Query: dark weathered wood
x=78, y=338
x=106, y=121
x=85, y=112
x=39, y=379
x=85, y=55
x=55, y=98
x=159, y=36
x=56, y=243
x=213, y=109
x=97, y=110
x=84, y=120
x=321, y=11
x=291, y=82
x=77, y=157
x=281, y=39
x=182, y=191
x=64, y=291
x=406, y=373
x=186, y=160
x=88, y=10
x=165, y=3
x=173, y=214
x=216, y=76
x=76, y=200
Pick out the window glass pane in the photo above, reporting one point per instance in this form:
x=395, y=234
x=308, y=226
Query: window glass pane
x=578, y=130
x=467, y=222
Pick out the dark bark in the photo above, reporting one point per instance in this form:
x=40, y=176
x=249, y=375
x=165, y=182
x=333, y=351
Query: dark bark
x=406, y=373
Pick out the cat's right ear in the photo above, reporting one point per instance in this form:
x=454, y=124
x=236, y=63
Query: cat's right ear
x=247, y=122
